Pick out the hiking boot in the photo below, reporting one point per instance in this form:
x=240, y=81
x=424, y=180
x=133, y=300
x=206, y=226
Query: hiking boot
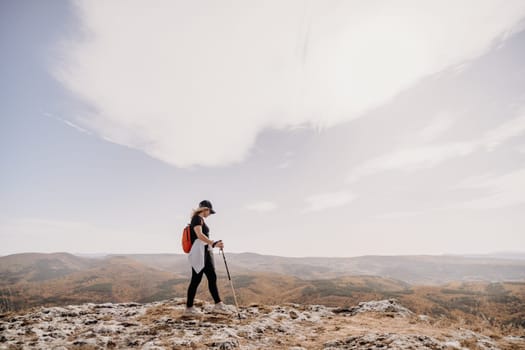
x=191, y=311
x=220, y=308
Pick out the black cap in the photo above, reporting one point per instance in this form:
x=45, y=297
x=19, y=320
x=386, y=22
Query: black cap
x=207, y=204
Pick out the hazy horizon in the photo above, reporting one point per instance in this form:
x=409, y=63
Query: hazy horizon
x=506, y=255
x=316, y=128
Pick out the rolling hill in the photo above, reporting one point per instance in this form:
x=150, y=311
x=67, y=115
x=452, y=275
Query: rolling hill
x=413, y=269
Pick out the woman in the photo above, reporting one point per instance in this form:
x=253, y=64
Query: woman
x=201, y=259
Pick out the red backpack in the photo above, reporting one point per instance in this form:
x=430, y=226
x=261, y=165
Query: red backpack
x=186, y=239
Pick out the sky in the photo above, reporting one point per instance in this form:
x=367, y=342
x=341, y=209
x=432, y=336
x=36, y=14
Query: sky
x=316, y=128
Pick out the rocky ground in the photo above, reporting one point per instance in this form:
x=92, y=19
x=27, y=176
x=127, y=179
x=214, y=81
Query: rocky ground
x=380, y=324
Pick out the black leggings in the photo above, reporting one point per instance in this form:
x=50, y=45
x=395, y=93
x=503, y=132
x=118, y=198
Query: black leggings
x=196, y=278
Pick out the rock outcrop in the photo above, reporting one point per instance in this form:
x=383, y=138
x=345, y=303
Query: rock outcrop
x=381, y=324
x=390, y=307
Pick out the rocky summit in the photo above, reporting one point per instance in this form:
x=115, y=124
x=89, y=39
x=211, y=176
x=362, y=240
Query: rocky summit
x=383, y=324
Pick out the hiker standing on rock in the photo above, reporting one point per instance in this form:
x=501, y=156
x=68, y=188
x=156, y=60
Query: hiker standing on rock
x=201, y=259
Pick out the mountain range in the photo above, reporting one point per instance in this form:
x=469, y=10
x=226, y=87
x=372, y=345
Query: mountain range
x=413, y=269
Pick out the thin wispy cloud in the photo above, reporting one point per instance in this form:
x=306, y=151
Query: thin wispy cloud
x=261, y=207
x=287, y=160
x=69, y=123
x=284, y=165
x=164, y=76
x=439, y=125
x=399, y=214
x=329, y=200
x=501, y=191
x=411, y=159
x=510, y=129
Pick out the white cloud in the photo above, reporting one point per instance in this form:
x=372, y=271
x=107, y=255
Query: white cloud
x=172, y=77
x=261, y=207
x=323, y=201
x=504, y=190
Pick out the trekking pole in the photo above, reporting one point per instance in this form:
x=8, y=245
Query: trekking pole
x=231, y=283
